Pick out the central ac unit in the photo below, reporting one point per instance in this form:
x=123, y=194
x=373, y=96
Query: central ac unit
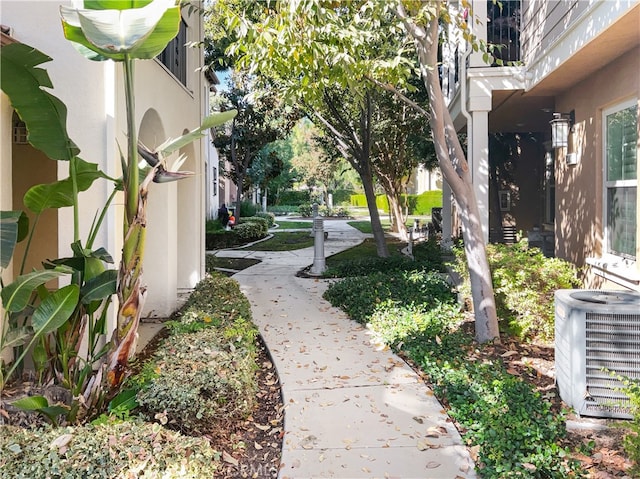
x=597, y=338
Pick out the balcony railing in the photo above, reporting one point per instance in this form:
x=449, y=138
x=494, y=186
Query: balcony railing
x=503, y=29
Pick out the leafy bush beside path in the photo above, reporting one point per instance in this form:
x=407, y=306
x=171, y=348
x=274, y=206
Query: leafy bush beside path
x=510, y=428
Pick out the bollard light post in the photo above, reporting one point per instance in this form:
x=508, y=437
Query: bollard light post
x=319, y=264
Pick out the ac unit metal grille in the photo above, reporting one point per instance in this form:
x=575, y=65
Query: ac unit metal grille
x=613, y=348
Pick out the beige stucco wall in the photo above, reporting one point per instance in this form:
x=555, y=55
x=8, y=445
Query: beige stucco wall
x=579, y=191
x=93, y=93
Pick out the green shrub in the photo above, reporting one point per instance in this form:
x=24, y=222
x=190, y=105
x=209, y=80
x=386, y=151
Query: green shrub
x=203, y=379
x=213, y=226
x=427, y=258
x=216, y=301
x=205, y=371
x=248, y=208
x=305, y=210
x=359, y=201
x=294, y=197
x=109, y=451
x=524, y=283
x=365, y=266
x=429, y=254
x=631, y=441
x=341, y=197
x=382, y=203
x=426, y=201
x=417, y=204
x=270, y=217
x=283, y=209
x=250, y=230
x=360, y=296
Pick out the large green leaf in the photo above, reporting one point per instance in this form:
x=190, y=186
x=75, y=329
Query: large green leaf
x=15, y=296
x=100, y=287
x=9, y=235
x=41, y=405
x=44, y=115
x=55, y=309
x=59, y=194
x=210, y=121
x=115, y=33
x=15, y=337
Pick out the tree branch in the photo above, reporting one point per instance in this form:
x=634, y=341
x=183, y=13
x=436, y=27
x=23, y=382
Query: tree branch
x=391, y=89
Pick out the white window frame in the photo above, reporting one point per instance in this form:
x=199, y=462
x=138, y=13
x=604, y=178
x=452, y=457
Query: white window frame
x=614, y=267
x=610, y=184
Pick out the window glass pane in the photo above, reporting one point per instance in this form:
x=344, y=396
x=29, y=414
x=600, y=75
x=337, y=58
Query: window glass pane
x=622, y=141
x=621, y=221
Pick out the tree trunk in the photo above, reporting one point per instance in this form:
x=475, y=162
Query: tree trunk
x=356, y=147
x=397, y=217
x=455, y=171
x=376, y=224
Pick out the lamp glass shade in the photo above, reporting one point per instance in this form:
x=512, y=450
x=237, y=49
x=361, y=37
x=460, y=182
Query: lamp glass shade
x=559, y=133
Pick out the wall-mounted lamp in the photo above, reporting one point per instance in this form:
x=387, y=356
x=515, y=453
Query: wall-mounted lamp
x=561, y=125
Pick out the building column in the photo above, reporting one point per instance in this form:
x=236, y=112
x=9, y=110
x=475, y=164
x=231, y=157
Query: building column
x=479, y=165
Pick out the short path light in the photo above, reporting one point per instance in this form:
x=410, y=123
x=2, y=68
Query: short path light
x=319, y=263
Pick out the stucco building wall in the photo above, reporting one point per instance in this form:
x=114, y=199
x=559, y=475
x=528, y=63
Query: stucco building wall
x=579, y=190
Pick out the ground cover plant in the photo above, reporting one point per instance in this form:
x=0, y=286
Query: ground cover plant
x=362, y=260
x=500, y=395
x=194, y=413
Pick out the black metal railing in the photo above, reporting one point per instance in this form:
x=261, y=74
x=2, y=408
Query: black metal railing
x=503, y=29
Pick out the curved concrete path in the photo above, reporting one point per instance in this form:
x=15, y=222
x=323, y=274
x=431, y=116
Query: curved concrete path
x=351, y=409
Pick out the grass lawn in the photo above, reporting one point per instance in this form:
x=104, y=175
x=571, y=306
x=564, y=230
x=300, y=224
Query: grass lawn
x=366, y=249
x=285, y=241
x=294, y=225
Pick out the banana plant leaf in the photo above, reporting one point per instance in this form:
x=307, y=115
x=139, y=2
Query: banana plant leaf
x=54, y=311
x=14, y=227
x=111, y=33
x=16, y=337
x=100, y=287
x=59, y=194
x=15, y=296
x=44, y=115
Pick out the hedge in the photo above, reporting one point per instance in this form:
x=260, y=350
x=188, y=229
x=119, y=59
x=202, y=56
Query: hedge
x=418, y=204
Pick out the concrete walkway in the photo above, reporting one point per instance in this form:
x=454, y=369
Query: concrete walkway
x=351, y=409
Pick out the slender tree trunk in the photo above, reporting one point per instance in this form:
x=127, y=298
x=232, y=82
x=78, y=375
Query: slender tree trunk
x=376, y=224
x=455, y=171
x=398, y=218
x=357, y=153
x=392, y=190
